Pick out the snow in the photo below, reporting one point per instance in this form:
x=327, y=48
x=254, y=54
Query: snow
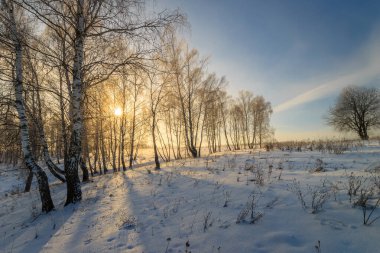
x=199, y=201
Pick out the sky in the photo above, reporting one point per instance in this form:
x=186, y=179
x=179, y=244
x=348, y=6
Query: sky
x=298, y=54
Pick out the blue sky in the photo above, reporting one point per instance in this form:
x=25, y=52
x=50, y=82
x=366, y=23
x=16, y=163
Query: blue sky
x=298, y=54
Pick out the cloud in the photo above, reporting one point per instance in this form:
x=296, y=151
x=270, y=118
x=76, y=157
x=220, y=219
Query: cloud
x=358, y=78
x=369, y=71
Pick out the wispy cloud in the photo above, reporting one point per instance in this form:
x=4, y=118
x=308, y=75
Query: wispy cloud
x=370, y=70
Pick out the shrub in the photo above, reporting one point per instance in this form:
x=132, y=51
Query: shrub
x=250, y=209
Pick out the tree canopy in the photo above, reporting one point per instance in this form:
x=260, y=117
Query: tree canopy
x=357, y=109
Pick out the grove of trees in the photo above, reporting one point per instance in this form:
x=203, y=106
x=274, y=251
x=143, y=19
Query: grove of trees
x=89, y=83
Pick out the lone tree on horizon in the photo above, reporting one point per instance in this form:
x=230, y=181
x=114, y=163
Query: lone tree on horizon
x=357, y=109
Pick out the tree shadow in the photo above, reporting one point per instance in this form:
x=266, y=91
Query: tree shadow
x=29, y=230
x=137, y=210
x=176, y=201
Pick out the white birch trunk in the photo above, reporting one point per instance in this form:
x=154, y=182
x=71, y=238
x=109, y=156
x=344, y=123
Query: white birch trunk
x=74, y=192
x=43, y=184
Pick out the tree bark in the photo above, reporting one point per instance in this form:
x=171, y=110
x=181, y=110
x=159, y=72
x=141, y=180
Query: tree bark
x=16, y=38
x=74, y=192
x=63, y=122
x=45, y=149
x=28, y=183
x=85, y=175
x=133, y=130
x=156, y=158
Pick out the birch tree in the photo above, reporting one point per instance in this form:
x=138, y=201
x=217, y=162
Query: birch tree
x=262, y=111
x=13, y=36
x=37, y=118
x=86, y=22
x=157, y=83
x=188, y=86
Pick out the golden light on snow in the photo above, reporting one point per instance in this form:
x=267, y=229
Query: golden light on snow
x=118, y=111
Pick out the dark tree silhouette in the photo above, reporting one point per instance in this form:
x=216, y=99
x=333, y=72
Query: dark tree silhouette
x=357, y=109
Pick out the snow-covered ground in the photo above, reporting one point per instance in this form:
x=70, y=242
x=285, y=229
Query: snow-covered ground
x=229, y=202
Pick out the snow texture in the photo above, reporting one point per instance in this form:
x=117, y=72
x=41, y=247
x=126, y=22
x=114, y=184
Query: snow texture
x=228, y=202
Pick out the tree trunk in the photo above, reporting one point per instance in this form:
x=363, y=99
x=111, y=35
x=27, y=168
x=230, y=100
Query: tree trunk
x=47, y=203
x=28, y=183
x=45, y=149
x=74, y=192
x=132, y=135
x=102, y=147
x=122, y=141
x=63, y=122
x=84, y=169
x=156, y=158
x=86, y=157
x=43, y=184
x=113, y=145
x=52, y=167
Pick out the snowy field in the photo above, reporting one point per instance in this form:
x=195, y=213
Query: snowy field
x=278, y=201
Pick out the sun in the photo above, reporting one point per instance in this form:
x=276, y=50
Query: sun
x=117, y=111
